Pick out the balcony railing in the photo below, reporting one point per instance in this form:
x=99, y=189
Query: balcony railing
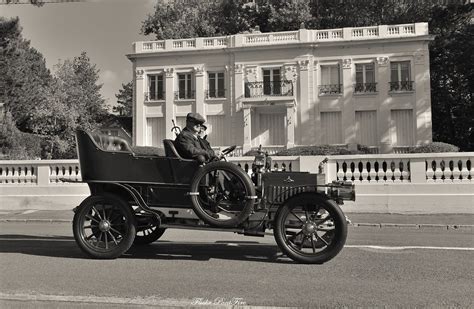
x=154, y=96
x=330, y=89
x=401, y=86
x=277, y=88
x=365, y=87
x=184, y=95
x=215, y=93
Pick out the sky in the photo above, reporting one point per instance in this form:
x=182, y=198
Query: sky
x=105, y=29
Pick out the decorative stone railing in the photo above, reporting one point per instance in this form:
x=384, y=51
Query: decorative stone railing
x=274, y=38
x=403, y=168
x=400, y=183
x=281, y=163
x=38, y=172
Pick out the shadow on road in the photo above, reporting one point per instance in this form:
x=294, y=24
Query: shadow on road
x=65, y=247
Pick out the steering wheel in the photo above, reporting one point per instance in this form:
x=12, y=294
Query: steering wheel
x=227, y=151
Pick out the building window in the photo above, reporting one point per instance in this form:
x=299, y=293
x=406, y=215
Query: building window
x=271, y=82
x=185, y=86
x=366, y=128
x=155, y=131
x=216, y=130
x=403, y=133
x=155, y=88
x=365, y=78
x=400, y=77
x=216, y=85
x=272, y=85
x=330, y=80
x=331, y=128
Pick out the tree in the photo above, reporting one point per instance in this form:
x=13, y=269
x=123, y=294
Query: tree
x=124, y=100
x=181, y=19
x=452, y=76
x=41, y=106
x=23, y=74
x=77, y=93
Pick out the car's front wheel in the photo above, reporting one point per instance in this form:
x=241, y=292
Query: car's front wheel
x=104, y=226
x=311, y=229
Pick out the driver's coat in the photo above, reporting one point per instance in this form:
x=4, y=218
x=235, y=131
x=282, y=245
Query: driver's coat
x=189, y=146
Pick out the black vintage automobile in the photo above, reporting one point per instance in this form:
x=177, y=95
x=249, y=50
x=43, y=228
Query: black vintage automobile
x=136, y=195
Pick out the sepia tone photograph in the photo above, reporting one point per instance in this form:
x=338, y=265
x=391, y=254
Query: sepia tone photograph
x=236, y=153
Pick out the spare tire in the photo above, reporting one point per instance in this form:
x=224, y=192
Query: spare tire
x=222, y=194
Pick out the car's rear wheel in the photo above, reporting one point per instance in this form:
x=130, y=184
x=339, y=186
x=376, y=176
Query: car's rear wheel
x=310, y=228
x=148, y=232
x=104, y=226
x=222, y=194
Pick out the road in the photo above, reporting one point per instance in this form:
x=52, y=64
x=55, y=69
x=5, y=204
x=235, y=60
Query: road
x=41, y=266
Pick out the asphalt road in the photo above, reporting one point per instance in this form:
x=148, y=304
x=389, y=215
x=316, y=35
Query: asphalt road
x=41, y=267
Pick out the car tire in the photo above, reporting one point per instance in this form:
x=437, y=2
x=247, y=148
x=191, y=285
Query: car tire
x=314, y=249
x=104, y=226
x=198, y=201
x=148, y=235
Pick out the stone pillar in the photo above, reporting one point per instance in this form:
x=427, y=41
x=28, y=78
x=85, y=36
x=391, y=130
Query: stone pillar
x=422, y=112
x=303, y=125
x=383, y=112
x=238, y=96
x=247, y=128
x=290, y=125
x=348, y=112
x=200, y=90
x=315, y=131
x=169, y=102
x=139, y=108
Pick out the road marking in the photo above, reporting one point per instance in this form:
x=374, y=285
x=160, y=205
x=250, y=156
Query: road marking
x=28, y=212
x=147, y=301
x=232, y=244
x=409, y=247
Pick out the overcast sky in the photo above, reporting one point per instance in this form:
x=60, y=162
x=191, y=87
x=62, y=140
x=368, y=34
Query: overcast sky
x=105, y=29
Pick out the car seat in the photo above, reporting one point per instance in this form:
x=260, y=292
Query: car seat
x=111, y=143
x=170, y=149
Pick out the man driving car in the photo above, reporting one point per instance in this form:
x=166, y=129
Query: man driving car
x=189, y=144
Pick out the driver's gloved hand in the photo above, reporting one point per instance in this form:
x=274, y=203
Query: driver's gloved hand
x=201, y=159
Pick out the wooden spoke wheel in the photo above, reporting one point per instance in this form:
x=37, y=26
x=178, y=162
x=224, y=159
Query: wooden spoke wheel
x=222, y=194
x=104, y=226
x=310, y=229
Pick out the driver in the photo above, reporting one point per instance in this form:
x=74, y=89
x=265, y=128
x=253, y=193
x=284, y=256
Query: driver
x=189, y=144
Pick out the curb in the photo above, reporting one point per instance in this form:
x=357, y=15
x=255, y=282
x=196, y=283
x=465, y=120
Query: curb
x=362, y=224
x=415, y=226
x=35, y=221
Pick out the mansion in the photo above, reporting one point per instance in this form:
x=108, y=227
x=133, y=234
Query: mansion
x=349, y=86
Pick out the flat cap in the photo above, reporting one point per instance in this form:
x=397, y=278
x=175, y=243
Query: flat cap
x=195, y=118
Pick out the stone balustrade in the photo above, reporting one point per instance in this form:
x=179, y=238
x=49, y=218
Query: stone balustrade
x=402, y=183
x=403, y=168
x=274, y=38
x=38, y=172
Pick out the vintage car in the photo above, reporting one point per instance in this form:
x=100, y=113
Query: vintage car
x=136, y=195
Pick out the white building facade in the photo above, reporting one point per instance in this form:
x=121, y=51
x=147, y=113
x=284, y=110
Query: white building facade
x=349, y=86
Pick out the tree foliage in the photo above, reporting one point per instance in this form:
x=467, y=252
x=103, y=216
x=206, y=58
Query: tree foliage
x=50, y=107
x=451, y=53
x=124, y=100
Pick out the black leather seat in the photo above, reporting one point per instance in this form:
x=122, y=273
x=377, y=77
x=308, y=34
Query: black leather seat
x=170, y=149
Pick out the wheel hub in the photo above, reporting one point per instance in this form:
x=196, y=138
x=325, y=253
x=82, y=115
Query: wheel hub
x=104, y=226
x=309, y=228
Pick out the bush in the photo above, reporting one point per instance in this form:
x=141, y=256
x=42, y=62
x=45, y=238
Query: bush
x=319, y=150
x=434, y=147
x=17, y=145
